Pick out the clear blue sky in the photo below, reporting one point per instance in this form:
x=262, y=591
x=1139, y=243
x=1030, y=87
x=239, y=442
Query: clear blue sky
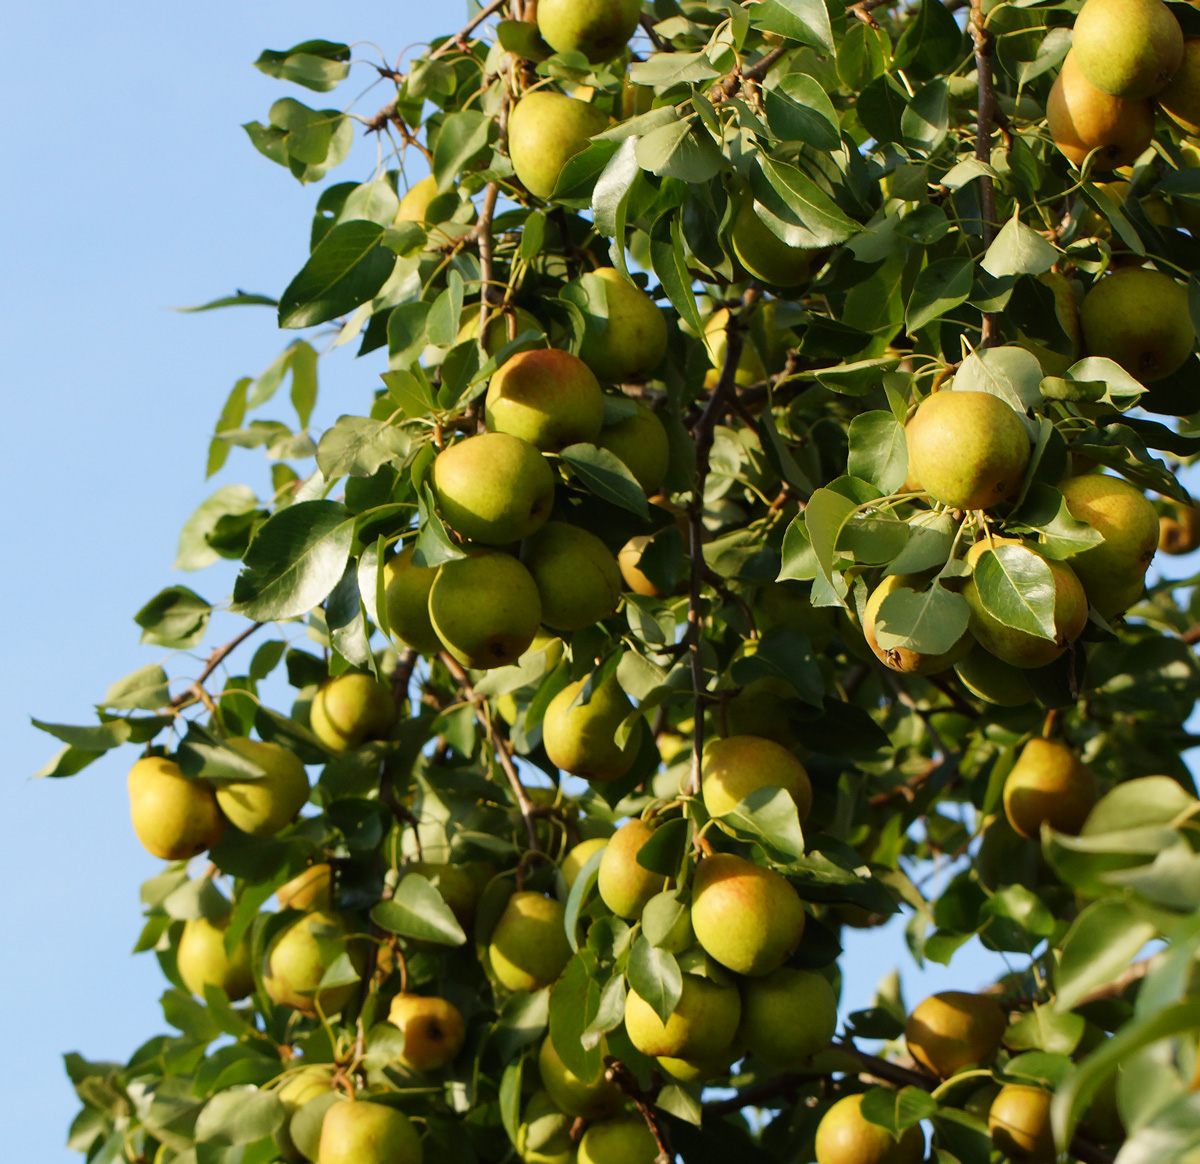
x=131, y=188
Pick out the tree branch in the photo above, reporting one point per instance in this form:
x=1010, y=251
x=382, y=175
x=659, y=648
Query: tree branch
x=628, y=1085
x=863, y=9
x=983, y=147
x=195, y=692
x=733, y=83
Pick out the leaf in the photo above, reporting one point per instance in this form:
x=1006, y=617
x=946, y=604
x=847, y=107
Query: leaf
x=798, y=109
x=1018, y=250
x=97, y=738
x=786, y=655
x=240, y=1115
x=930, y=621
x=669, y=261
x=574, y=1005
x=821, y=223
x=813, y=19
x=925, y=120
x=1101, y=942
x=679, y=151
x=672, y=68
x=898, y=1110
x=1147, y=800
x=1011, y=373
x=1043, y=1029
x=194, y=552
x=461, y=136
x=238, y=299
x=826, y=513
x=768, y=817
x=315, y=64
x=655, y=977
x=357, y=446
x=939, y=288
x=145, y=689
x=417, y=910
x=607, y=477
x=347, y=269
x=1016, y=587
x=610, y=195
x=176, y=617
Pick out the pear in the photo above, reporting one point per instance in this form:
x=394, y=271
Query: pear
x=968, y=449
x=953, y=1030
x=202, y=961
x=1081, y=118
x=1127, y=48
x=529, y=947
x=630, y=555
x=576, y=574
x=312, y=889
x=415, y=203
x=546, y=397
x=544, y=1134
x=1048, y=785
x=1181, y=98
x=626, y=333
x=1019, y=1124
x=407, y=598
x=640, y=442
x=746, y=917
x=702, y=1026
x=580, y=739
x=174, y=817
x=590, y=1100
x=298, y=957
x=750, y=368
x=787, y=1016
x=493, y=488
x=264, y=806
x=1139, y=318
x=578, y=856
x=351, y=709
x=624, y=1140
x=302, y=1087
x=368, y=1133
x=734, y=767
x=599, y=29
x=904, y=659
x=433, y=1030
x=1179, y=531
x=846, y=1136
x=485, y=608
x=700, y=1070
x=624, y=885
x=763, y=254
x=546, y=130
x=498, y=329
x=993, y=681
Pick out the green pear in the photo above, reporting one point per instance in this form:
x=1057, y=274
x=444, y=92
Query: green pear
x=493, y=488
x=787, y=1016
x=546, y=130
x=407, y=597
x=302, y=1132
x=578, y=856
x=993, y=681
x=764, y=254
x=640, y=442
x=623, y=1140
x=700, y=1070
x=298, y=957
x=1139, y=318
x=702, y=1026
x=1019, y=1124
x=739, y=765
x=368, y=1133
x=433, y=1030
x=1127, y=48
x=264, y=806
x=968, y=449
x=589, y=1100
x=351, y=709
x=599, y=29
x=953, y=1030
x=544, y=1134
x=301, y=1088
x=547, y=397
x=1181, y=98
x=1081, y=119
x=626, y=335
x=498, y=328
x=174, y=817
x=1048, y=785
x=747, y=917
x=580, y=739
x=577, y=576
x=623, y=884
x=846, y=1136
x=312, y=889
x=485, y=608
x=529, y=947
x=904, y=659
x=202, y=961
x=750, y=368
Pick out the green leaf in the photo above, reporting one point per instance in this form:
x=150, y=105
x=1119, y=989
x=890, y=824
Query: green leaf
x=678, y=150
x=418, y=911
x=655, y=977
x=924, y=122
x=1147, y=800
x=357, y=446
x=672, y=68
x=347, y=269
x=1045, y=510
x=1011, y=373
x=145, y=689
x=939, y=289
x=176, y=617
x=930, y=621
x=97, y=738
x=240, y=1115
x=1099, y=945
x=607, y=477
x=194, y=552
x=826, y=513
x=238, y=299
x=878, y=451
x=1044, y=1029
x=574, y=1005
x=786, y=655
x=768, y=817
x=669, y=261
x=931, y=42
x=819, y=220
x=898, y=1110
x=812, y=19
x=1019, y=250
x=798, y=109
x=315, y=64
x=1017, y=588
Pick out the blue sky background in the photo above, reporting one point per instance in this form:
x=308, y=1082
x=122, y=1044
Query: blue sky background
x=130, y=188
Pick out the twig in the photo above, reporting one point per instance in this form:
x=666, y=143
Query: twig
x=733, y=83
x=626, y=1082
x=782, y=1086
x=863, y=9
x=982, y=39
x=218, y=656
x=660, y=45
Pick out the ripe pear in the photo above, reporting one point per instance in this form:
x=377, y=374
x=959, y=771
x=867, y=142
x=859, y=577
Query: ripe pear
x=764, y=254
x=1181, y=98
x=361, y=1132
x=954, y=1030
x=174, y=817
x=415, y=203
x=630, y=556
x=576, y=574
x=485, y=608
x=590, y=1100
x=846, y=1136
x=351, y=709
x=578, y=856
x=407, y=597
x=626, y=336
x=312, y=889
x=904, y=659
x=1019, y=1123
x=202, y=961
x=747, y=917
x=433, y=1030
x=296, y=962
x=969, y=449
x=624, y=885
x=581, y=739
x=599, y=29
x=1179, y=530
x=623, y=1140
x=738, y=765
x=546, y=397
x=702, y=1026
x=640, y=442
x=264, y=806
x=544, y=1134
x=546, y=130
x=1048, y=785
x=1129, y=523
x=750, y=368
x=1139, y=318
x=499, y=330
x=787, y=1016
x=992, y=680
x=493, y=488
x=700, y=1070
x=1127, y=48
x=529, y=946
x=1081, y=118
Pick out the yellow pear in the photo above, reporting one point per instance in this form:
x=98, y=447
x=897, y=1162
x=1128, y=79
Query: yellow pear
x=546, y=130
x=599, y=29
x=700, y=1070
x=174, y=817
x=589, y=1100
x=415, y=203
x=738, y=765
x=954, y=1030
x=433, y=1030
x=408, y=602
x=846, y=1136
x=302, y=1087
x=202, y=961
x=787, y=1016
x=630, y=555
x=904, y=659
x=764, y=254
x=1127, y=48
x=702, y=1026
x=1179, y=530
x=640, y=442
x=1139, y=318
x=1019, y=1123
x=626, y=336
x=547, y=397
x=529, y=947
x=312, y=889
x=624, y=885
x=1181, y=98
x=263, y=806
x=1082, y=118
x=578, y=856
x=368, y=1133
x=498, y=328
x=577, y=576
x=1048, y=785
x=351, y=709
x=581, y=739
x=298, y=957
x=623, y=1140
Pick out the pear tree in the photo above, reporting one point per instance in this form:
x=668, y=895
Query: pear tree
x=745, y=533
